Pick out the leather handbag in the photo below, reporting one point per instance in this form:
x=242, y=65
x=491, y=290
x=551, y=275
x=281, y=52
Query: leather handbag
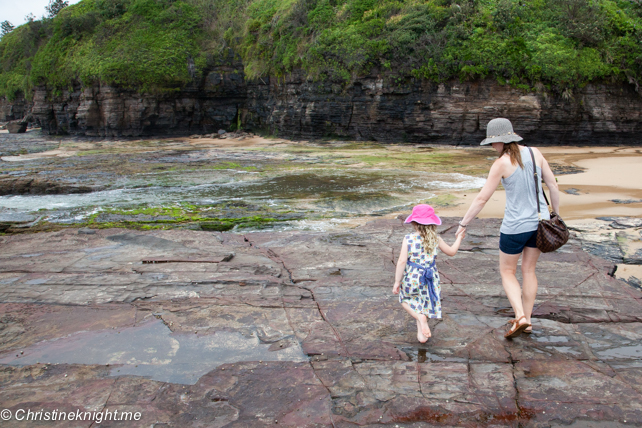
x=553, y=233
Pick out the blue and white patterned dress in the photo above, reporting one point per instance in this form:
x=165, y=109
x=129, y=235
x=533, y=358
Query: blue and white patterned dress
x=420, y=287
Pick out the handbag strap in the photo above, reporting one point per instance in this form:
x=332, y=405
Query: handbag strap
x=539, y=215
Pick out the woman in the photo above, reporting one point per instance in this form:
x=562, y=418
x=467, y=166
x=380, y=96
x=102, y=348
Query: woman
x=514, y=169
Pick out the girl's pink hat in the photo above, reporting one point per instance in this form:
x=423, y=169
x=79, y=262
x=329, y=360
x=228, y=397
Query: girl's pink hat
x=424, y=214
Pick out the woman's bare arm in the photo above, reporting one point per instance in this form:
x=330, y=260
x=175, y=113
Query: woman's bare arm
x=493, y=180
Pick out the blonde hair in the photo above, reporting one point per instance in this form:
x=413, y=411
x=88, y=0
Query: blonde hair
x=428, y=235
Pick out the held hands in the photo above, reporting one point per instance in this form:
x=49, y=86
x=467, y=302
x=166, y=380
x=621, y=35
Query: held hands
x=461, y=232
x=395, y=288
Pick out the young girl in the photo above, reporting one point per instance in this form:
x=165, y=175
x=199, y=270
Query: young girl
x=416, y=279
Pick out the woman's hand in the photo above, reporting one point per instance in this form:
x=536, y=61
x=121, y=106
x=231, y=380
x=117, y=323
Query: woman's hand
x=395, y=288
x=461, y=231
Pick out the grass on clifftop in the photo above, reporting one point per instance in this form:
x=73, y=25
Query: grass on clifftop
x=161, y=45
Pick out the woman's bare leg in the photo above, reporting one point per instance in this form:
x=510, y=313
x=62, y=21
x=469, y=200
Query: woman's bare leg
x=507, y=269
x=422, y=321
x=529, y=289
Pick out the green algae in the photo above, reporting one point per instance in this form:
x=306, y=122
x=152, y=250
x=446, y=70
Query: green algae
x=225, y=224
x=232, y=165
x=446, y=200
x=181, y=216
x=406, y=159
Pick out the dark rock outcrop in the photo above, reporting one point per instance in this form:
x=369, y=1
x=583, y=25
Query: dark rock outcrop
x=17, y=127
x=13, y=110
x=10, y=185
x=371, y=108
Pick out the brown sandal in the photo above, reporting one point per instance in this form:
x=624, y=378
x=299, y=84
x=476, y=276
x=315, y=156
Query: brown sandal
x=517, y=328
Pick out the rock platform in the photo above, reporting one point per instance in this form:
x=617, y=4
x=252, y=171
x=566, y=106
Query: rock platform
x=301, y=329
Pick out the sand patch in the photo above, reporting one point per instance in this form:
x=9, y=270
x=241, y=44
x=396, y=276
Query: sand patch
x=32, y=156
x=627, y=271
x=611, y=174
x=622, y=172
x=235, y=143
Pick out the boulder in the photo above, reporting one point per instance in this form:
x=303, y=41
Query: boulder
x=17, y=127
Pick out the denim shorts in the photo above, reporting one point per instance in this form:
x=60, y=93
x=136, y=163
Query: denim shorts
x=514, y=244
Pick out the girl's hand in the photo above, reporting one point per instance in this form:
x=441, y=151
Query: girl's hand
x=395, y=288
x=460, y=230
x=461, y=235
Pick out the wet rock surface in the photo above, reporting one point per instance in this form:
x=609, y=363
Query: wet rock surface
x=32, y=141
x=319, y=338
x=613, y=238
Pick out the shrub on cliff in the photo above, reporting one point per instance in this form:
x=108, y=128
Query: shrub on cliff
x=561, y=43
x=161, y=45
x=147, y=45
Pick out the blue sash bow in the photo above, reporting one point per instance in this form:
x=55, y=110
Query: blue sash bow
x=427, y=279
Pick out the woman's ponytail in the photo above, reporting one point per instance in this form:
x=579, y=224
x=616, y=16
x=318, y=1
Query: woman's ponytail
x=513, y=151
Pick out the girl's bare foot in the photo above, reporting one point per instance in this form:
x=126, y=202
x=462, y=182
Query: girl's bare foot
x=423, y=324
x=420, y=336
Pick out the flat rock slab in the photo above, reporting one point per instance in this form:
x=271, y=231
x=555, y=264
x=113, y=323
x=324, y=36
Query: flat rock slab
x=16, y=218
x=300, y=329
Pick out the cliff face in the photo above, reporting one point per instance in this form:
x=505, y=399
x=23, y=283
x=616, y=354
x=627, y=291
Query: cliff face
x=419, y=112
x=107, y=111
x=372, y=108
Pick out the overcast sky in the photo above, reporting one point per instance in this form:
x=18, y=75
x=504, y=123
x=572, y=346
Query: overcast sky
x=15, y=11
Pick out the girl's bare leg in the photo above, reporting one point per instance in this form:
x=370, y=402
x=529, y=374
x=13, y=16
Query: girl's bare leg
x=422, y=321
x=507, y=269
x=420, y=336
x=529, y=289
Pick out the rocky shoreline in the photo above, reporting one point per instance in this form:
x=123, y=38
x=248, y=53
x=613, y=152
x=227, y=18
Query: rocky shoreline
x=319, y=338
x=198, y=307
x=285, y=185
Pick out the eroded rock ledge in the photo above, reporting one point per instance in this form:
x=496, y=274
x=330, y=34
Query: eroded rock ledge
x=375, y=107
x=329, y=296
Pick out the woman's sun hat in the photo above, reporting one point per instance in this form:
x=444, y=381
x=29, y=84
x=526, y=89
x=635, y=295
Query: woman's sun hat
x=500, y=130
x=423, y=214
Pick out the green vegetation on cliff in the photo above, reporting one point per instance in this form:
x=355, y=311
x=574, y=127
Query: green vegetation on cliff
x=160, y=45
x=142, y=44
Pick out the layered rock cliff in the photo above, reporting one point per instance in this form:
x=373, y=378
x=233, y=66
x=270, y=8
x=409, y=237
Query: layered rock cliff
x=375, y=108
x=110, y=112
x=371, y=108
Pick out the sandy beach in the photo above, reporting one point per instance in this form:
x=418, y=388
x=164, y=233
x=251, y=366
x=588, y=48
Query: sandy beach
x=610, y=184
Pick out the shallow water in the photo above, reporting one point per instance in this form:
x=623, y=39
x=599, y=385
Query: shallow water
x=632, y=351
x=330, y=193
x=151, y=350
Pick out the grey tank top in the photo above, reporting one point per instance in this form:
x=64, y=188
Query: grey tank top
x=520, y=214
